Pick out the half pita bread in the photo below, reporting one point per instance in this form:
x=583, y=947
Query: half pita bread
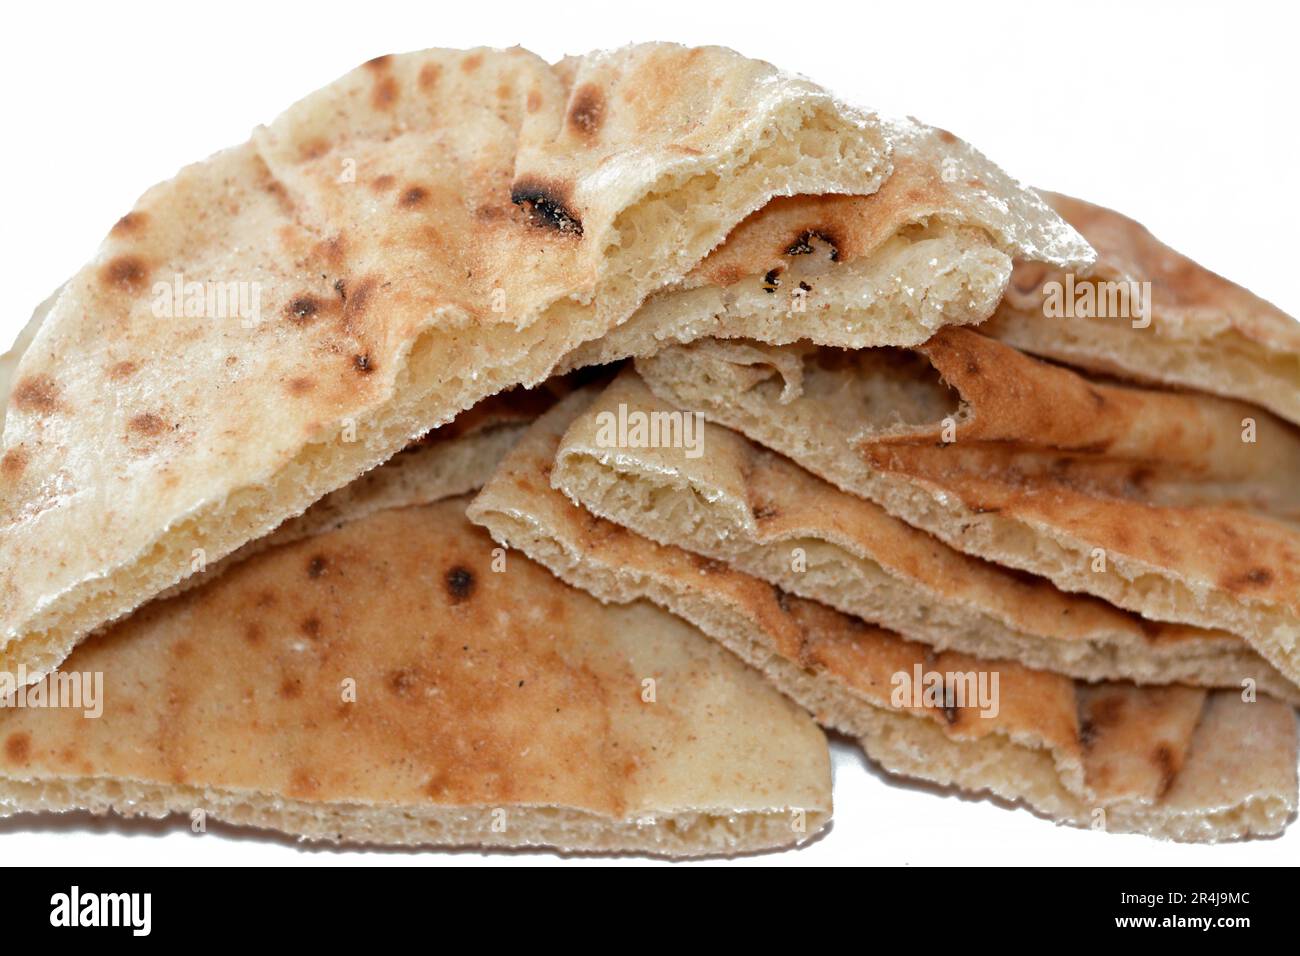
x=489, y=709
x=728, y=499
x=1174, y=762
x=1150, y=500
x=932, y=247
x=1204, y=332
x=428, y=230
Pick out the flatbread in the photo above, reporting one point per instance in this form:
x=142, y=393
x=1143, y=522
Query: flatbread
x=1174, y=762
x=932, y=247
x=1045, y=467
x=490, y=709
x=426, y=231
x=729, y=499
x=1204, y=333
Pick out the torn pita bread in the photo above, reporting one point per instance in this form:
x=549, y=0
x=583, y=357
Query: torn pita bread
x=428, y=230
x=932, y=247
x=1150, y=500
x=487, y=709
x=1200, y=331
x=729, y=499
x=1174, y=762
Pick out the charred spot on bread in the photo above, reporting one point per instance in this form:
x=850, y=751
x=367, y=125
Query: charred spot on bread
x=547, y=206
x=302, y=309
x=363, y=363
x=317, y=566
x=460, y=583
x=803, y=243
x=771, y=280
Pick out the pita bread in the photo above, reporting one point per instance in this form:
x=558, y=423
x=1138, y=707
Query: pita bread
x=1173, y=762
x=491, y=709
x=730, y=500
x=932, y=247
x=1045, y=467
x=428, y=230
x=1205, y=332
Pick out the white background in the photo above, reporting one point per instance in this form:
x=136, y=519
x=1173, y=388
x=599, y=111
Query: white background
x=1182, y=115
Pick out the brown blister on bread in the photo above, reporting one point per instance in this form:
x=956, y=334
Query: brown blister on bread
x=547, y=204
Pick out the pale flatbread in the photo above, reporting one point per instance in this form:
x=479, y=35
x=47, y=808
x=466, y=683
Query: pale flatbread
x=1149, y=500
x=428, y=230
x=1173, y=762
x=932, y=247
x=491, y=708
x=1204, y=332
x=729, y=499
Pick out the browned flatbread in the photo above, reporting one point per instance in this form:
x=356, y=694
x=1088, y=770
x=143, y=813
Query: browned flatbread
x=731, y=500
x=1149, y=500
x=1176, y=762
x=387, y=682
x=1202, y=331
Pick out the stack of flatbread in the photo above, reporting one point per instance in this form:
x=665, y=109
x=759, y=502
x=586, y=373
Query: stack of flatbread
x=492, y=452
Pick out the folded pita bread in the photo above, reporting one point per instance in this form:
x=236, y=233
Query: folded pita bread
x=492, y=709
x=426, y=231
x=1149, y=500
x=1202, y=331
x=932, y=247
x=1173, y=762
x=728, y=499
